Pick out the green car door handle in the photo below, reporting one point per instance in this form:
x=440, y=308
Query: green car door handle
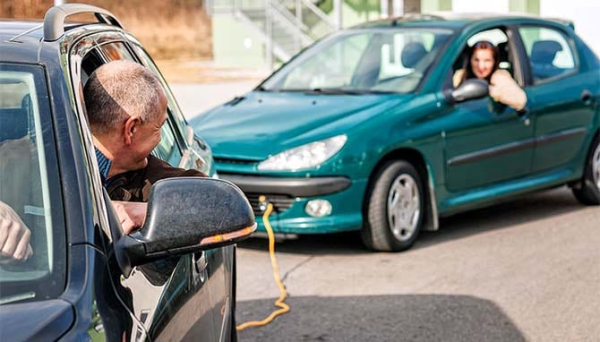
x=586, y=97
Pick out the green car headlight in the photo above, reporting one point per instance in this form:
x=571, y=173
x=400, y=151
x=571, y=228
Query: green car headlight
x=305, y=156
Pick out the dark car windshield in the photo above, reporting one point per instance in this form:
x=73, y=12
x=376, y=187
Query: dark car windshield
x=363, y=61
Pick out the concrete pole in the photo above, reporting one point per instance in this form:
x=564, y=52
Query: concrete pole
x=398, y=10
x=337, y=14
x=384, y=12
x=269, y=31
x=297, y=39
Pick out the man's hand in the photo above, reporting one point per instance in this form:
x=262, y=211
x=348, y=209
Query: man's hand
x=131, y=214
x=14, y=236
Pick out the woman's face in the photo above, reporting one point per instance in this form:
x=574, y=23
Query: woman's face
x=482, y=63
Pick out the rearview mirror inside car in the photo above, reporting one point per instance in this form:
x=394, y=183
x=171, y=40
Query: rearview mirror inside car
x=186, y=215
x=469, y=90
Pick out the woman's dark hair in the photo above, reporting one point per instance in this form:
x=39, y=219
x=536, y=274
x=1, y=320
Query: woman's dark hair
x=481, y=45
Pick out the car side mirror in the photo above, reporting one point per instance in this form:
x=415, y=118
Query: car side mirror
x=185, y=215
x=468, y=90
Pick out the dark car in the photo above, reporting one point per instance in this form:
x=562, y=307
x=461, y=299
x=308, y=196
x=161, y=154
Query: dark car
x=170, y=281
x=364, y=131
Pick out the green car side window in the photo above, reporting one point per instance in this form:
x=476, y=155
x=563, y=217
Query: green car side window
x=550, y=54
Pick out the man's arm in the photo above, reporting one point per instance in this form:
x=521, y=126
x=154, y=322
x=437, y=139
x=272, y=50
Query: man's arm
x=132, y=215
x=14, y=236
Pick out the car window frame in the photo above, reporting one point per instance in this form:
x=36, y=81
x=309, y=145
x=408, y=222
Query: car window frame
x=570, y=42
x=60, y=236
x=514, y=43
x=78, y=49
x=102, y=39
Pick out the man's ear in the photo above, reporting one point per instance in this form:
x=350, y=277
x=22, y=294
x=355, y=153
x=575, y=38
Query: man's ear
x=129, y=129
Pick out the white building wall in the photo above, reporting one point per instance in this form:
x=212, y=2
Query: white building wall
x=584, y=13
x=480, y=6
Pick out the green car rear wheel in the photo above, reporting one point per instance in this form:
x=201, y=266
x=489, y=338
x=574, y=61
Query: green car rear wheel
x=588, y=192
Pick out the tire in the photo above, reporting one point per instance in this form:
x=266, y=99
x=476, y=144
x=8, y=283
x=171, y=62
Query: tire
x=588, y=192
x=396, y=184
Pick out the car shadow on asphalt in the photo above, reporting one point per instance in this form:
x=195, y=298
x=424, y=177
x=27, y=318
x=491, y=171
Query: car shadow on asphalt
x=531, y=208
x=380, y=318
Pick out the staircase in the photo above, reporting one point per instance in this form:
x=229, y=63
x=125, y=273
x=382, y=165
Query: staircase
x=285, y=26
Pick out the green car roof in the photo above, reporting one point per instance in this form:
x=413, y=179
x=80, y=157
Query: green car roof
x=450, y=20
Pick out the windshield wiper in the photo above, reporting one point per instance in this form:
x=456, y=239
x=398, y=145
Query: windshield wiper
x=349, y=91
x=336, y=91
x=330, y=91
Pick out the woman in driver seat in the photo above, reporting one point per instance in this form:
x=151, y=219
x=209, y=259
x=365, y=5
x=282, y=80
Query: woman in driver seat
x=483, y=64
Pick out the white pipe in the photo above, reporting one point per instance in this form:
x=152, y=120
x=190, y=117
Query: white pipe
x=383, y=5
x=398, y=8
x=337, y=10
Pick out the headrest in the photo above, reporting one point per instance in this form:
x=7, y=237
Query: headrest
x=503, y=51
x=544, y=51
x=15, y=121
x=412, y=53
x=14, y=124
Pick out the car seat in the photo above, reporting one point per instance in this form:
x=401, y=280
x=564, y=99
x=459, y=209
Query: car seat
x=14, y=121
x=20, y=183
x=412, y=54
x=504, y=57
x=542, y=57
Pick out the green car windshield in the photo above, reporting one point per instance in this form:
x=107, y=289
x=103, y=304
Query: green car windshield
x=363, y=61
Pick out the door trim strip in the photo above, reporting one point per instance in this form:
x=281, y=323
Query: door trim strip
x=515, y=146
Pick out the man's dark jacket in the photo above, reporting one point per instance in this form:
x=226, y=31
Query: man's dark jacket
x=134, y=186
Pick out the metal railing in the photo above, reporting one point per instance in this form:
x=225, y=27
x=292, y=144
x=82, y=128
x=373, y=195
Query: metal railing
x=286, y=26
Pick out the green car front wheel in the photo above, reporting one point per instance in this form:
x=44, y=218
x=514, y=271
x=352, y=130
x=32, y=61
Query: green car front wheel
x=394, y=209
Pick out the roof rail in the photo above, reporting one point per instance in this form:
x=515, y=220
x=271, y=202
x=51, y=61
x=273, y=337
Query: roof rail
x=54, y=20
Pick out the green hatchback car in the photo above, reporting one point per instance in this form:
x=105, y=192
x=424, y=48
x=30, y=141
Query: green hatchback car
x=364, y=130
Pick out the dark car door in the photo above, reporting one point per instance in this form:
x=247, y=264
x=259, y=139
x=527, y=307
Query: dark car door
x=170, y=299
x=33, y=304
x=487, y=142
x=561, y=93
x=213, y=267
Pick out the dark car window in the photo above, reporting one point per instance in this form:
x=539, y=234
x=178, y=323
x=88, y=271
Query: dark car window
x=550, y=54
x=28, y=183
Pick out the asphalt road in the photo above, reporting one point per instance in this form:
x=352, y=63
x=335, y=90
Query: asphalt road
x=527, y=270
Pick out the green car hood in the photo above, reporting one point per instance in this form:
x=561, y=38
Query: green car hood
x=261, y=124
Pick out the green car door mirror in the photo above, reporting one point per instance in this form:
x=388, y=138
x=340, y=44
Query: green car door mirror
x=469, y=90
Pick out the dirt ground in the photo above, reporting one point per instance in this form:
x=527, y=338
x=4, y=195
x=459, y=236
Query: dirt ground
x=188, y=71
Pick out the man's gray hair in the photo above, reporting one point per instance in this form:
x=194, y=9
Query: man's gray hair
x=119, y=90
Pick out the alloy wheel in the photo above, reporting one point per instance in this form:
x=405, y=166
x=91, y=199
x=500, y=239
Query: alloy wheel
x=404, y=206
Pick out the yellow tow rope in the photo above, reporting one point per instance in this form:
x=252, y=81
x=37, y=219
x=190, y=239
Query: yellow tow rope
x=282, y=292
